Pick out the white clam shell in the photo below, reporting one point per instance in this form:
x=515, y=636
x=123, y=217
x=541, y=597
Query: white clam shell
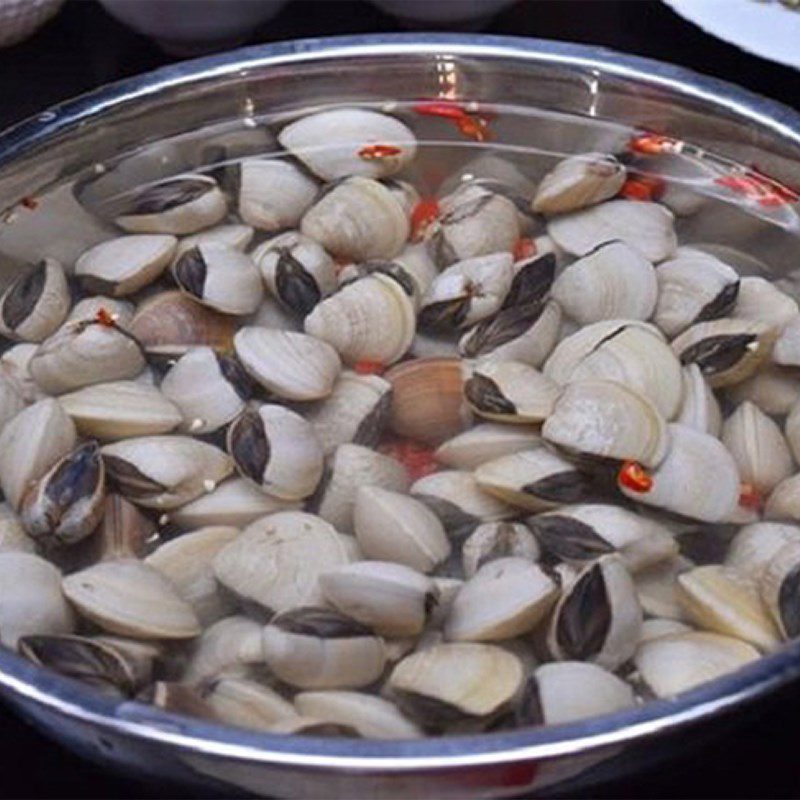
x=164, y=472
x=511, y=391
x=352, y=466
x=645, y=227
x=493, y=540
x=32, y=317
x=773, y=389
x=607, y=419
x=372, y=717
x=236, y=236
x=778, y=589
x=658, y=627
x=11, y=399
x=371, y=319
x=358, y=219
x=698, y=478
x=418, y=263
x=248, y=704
x=699, y=407
x=14, y=364
x=291, y=365
x=329, y=142
x=273, y=194
x=786, y=352
x=784, y=502
x=30, y=444
x=485, y=442
x=754, y=546
x=613, y=281
x=129, y=598
x=394, y=527
x=506, y=597
x=121, y=311
x=13, y=538
x=673, y=664
x=187, y=562
x=657, y=589
x=760, y=300
x=124, y=265
x=33, y=603
x=757, y=445
x=224, y=646
x=120, y=410
x=277, y=560
x=569, y=691
x=577, y=182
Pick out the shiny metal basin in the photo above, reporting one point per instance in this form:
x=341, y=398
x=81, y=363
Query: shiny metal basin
x=61, y=145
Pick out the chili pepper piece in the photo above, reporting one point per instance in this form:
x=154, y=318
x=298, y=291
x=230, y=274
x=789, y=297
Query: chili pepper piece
x=373, y=152
x=634, y=476
x=31, y=203
x=105, y=318
x=653, y=144
x=524, y=247
x=366, y=367
x=418, y=459
x=643, y=187
x=423, y=215
x=750, y=497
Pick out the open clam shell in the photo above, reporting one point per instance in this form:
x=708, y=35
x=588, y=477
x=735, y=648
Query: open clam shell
x=493, y=540
x=577, y=182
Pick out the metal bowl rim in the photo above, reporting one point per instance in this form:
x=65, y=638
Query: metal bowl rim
x=68, y=698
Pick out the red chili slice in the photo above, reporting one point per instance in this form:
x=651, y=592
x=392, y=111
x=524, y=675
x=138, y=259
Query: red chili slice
x=634, y=476
x=643, y=187
x=373, y=152
x=418, y=459
x=366, y=367
x=524, y=247
x=423, y=215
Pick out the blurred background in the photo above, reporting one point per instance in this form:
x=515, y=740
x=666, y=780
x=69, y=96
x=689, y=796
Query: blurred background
x=52, y=50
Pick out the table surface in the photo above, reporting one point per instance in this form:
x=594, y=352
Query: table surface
x=84, y=47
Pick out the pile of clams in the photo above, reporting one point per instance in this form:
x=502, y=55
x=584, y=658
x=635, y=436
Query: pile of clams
x=300, y=450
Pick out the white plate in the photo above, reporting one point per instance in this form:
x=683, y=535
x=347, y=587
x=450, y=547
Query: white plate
x=767, y=29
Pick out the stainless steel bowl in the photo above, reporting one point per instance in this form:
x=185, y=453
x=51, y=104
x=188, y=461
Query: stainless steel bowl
x=62, y=145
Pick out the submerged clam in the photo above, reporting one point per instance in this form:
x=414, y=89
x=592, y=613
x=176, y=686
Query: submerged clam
x=699, y=407
x=577, y=182
x=493, y=540
x=779, y=587
x=762, y=301
x=485, y=442
x=247, y=703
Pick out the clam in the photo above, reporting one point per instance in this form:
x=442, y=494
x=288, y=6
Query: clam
x=613, y=281
x=33, y=603
x=297, y=271
x=779, y=587
x=506, y=597
x=358, y=219
x=418, y=264
x=754, y=546
x=486, y=442
x=395, y=527
x=178, y=698
x=673, y=664
x=224, y=647
x=427, y=400
x=568, y=691
x=277, y=560
x=718, y=600
x=391, y=599
x=124, y=532
x=277, y=450
x=657, y=628
x=474, y=221
x=693, y=287
x=577, y=182
x=119, y=410
x=289, y=365
x=235, y=502
x=607, y=420
x=356, y=411
x=782, y=504
x=538, y=480
x=36, y=303
x=11, y=400
x=271, y=314
x=786, y=352
x=130, y=598
x=350, y=467
x=456, y=683
x=93, y=661
x=179, y=205
x=247, y=703
x=457, y=499
x=510, y=391
x=582, y=532
x=773, y=389
x=371, y=319
x=466, y=292
x=187, y=562
x=340, y=142
x=271, y=194
x=757, y=445
x=493, y=540
x=208, y=390
x=65, y=505
x=312, y=726
x=219, y=277
x=30, y=444
x=598, y=617
x=13, y=538
x=761, y=300
x=14, y=364
x=120, y=311
x=792, y=429
x=699, y=407
x=726, y=350
x=645, y=227
x=657, y=588
x=122, y=266
x=236, y=236
x=370, y=716
x=164, y=472
x=170, y=323
x=83, y=353
x=698, y=478
x=318, y=648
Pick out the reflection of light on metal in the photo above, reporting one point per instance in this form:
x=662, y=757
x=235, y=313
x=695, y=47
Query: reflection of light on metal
x=467, y=176
x=447, y=76
x=594, y=92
